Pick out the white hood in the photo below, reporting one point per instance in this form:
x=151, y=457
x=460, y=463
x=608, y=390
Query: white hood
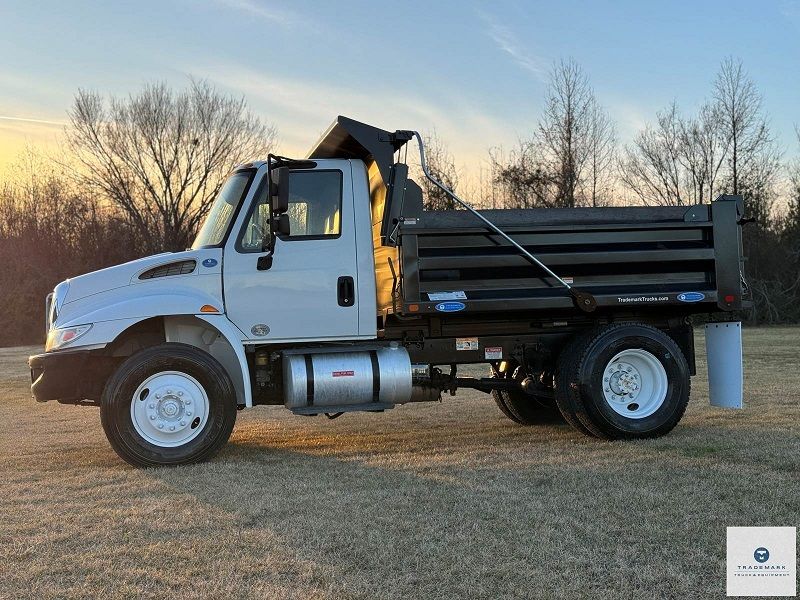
x=121, y=275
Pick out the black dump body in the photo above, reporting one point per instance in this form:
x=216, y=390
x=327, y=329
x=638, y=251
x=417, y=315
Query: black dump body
x=642, y=257
x=661, y=261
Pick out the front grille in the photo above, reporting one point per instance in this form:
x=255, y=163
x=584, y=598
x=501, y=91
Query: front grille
x=183, y=267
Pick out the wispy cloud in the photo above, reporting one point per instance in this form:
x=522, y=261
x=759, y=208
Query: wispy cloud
x=28, y=120
x=263, y=11
x=507, y=41
x=303, y=109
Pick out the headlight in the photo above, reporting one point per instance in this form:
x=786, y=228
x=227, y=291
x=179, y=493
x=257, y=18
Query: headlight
x=58, y=338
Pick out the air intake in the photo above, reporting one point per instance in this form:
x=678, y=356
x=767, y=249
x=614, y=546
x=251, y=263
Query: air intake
x=183, y=267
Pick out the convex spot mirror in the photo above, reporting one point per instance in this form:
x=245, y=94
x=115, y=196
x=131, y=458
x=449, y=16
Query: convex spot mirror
x=279, y=190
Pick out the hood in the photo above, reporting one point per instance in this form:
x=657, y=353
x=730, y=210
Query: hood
x=123, y=275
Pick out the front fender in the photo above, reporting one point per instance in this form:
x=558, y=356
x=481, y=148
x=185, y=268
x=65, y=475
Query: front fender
x=115, y=311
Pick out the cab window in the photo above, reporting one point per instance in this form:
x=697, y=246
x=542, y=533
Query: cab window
x=315, y=208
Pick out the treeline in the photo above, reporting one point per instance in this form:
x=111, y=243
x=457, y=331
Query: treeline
x=138, y=175
x=137, y=178
x=51, y=229
x=572, y=157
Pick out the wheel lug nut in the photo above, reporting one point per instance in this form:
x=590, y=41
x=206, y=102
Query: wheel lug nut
x=152, y=417
x=158, y=395
x=188, y=413
x=183, y=423
x=172, y=427
x=151, y=405
x=160, y=426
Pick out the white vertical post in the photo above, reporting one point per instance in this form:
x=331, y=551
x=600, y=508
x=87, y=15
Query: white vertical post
x=724, y=354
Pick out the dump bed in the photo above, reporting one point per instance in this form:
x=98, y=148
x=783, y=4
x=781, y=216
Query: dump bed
x=642, y=257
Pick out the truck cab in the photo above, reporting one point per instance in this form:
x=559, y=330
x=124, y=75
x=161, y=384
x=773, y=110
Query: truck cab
x=321, y=284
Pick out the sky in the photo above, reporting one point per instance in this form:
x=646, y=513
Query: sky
x=474, y=72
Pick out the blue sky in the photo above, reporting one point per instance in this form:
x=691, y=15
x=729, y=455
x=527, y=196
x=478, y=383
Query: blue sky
x=475, y=72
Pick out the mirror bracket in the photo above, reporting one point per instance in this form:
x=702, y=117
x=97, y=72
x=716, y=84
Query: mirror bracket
x=264, y=262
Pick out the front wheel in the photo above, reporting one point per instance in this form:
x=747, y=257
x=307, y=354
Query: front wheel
x=170, y=404
x=623, y=381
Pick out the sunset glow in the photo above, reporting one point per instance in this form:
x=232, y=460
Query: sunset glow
x=479, y=81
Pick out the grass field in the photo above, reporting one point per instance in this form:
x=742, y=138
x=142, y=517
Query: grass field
x=447, y=500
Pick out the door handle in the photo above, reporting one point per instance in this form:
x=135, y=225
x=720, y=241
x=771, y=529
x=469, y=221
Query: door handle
x=346, y=291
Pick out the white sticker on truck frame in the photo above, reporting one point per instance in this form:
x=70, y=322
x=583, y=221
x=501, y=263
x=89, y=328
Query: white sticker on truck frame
x=493, y=353
x=467, y=344
x=437, y=296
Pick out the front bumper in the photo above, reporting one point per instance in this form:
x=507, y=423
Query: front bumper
x=59, y=376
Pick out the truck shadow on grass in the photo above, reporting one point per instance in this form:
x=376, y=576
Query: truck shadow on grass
x=482, y=511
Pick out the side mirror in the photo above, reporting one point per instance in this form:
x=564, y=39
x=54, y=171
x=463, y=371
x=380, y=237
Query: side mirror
x=279, y=190
x=281, y=225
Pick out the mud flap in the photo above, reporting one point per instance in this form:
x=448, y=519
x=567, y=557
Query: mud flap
x=724, y=355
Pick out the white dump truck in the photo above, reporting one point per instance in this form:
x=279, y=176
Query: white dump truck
x=322, y=285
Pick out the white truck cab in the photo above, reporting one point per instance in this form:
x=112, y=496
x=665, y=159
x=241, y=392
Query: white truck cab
x=320, y=284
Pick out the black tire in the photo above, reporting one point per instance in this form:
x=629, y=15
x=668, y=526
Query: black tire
x=115, y=407
x=567, y=363
x=523, y=408
x=580, y=382
x=499, y=399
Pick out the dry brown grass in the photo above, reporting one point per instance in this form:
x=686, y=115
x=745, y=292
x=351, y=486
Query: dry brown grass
x=427, y=501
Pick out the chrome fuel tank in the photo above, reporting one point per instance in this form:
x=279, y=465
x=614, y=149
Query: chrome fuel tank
x=347, y=378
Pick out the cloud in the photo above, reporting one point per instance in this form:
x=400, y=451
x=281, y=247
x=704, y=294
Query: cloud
x=507, y=41
x=28, y=120
x=262, y=11
x=302, y=110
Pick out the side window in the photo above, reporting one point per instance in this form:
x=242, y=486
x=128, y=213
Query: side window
x=315, y=207
x=315, y=203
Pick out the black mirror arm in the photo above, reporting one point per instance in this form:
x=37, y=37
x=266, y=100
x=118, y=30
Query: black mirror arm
x=264, y=263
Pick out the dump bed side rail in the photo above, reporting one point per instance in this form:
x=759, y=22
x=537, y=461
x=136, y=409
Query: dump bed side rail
x=450, y=263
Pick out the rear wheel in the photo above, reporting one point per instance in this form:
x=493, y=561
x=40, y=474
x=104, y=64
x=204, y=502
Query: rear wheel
x=623, y=381
x=168, y=405
x=522, y=407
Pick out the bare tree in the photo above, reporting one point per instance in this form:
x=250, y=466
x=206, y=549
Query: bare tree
x=791, y=221
x=563, y=136
x=601, y=156
x=704, y=149
x=651, y=166
x=523, y=179
x=50, y=229
x=161, y=156
x=441, y=166
x=569, y=161
x=740, y=106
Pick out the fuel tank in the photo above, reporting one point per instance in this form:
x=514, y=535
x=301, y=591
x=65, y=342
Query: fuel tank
x=347, y=378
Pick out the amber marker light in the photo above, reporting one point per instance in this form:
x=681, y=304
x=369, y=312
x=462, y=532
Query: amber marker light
x=207, y=308
x=413, y=308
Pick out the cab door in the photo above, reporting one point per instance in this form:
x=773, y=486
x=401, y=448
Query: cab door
x=310, y=290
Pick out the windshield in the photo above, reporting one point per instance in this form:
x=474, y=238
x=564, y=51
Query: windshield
x=213, y=231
